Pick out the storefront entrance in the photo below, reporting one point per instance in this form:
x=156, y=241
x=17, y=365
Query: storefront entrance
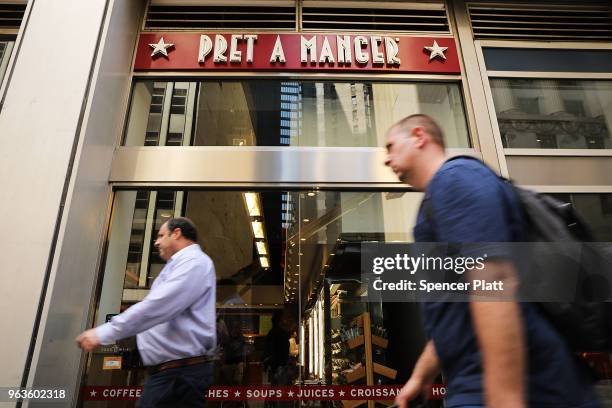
x=289, y=259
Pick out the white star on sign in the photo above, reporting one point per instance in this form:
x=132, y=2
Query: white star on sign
x=436, y=51
x=160, y=48
x=92, y=393
x=341, y=393
x=237, y=394
x=290, y=393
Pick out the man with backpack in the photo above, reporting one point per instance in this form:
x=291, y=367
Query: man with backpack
x=492, y=353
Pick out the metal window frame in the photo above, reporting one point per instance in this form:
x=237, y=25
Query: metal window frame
x=569, y=189
x=298, y=76
x=382, y=5
x=299, y=7
x=474, y=140
x=128, y=154
x=271, y=3
x=502, y=152
x=507, y=9
x=481, y=44
x=18, y=35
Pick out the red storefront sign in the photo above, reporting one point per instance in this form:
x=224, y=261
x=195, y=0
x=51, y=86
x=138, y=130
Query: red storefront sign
x=266, y=393
x=174, y=51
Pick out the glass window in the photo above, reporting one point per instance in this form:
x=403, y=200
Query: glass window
x=290, y=253
x=549, y=60
x=6, y=46
x=286, y=113
x=553, y=114
x=596, y=210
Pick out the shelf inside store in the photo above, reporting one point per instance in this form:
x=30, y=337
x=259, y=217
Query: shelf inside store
x=380, y=341
x=355, y=375
x=384, y=370
x=356, y=341
x=359, y=341
x=358, y=321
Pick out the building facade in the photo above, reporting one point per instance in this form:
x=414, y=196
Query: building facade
x=264, y=122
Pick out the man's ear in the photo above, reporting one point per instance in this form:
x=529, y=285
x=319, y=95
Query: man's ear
x=176, y=233
x=420, y=136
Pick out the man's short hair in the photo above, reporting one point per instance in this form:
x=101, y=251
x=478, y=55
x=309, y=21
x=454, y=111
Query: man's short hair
x=419, y=119
x=187, y=227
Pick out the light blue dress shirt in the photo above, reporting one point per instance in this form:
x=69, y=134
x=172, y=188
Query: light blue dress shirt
x=177, y=318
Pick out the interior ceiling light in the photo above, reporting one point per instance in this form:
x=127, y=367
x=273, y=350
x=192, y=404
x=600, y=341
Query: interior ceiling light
x=257, y=229
x=311, y=194
x=264, y=261
x=261, y=248
x=252, y=203
x=306, y=219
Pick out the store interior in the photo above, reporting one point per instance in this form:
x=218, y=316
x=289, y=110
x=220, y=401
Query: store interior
x=283, y=259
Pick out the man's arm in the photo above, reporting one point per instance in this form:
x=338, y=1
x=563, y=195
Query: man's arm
x=164, y=302
x=499, y=330
x=469, y=207
x=425, y=370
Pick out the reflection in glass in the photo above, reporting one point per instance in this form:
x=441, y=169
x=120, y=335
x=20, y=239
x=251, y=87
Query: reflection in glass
x=286, y=113
x=296, y=276
x=5, y=53
x=161, y=114
x=596, y=210
x=310, y=291
x=553, y=114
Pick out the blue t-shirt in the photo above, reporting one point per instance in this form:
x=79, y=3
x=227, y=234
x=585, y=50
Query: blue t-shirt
x=467, y=202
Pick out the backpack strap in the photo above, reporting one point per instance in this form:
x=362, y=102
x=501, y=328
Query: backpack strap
x=517, y=226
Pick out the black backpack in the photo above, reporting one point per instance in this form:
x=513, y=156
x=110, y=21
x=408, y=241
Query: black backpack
x=586, y=322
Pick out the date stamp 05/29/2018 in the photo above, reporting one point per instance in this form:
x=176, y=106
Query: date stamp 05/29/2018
x=15, y=394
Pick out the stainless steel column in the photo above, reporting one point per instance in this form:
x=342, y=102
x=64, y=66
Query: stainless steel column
x=59, y=125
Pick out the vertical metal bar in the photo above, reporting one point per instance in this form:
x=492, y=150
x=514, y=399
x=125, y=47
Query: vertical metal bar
x=178, y=203
x=367, y=337
x=163, y=131
x=298, y=15
x=189, y=116
x=146, y=15
x=190, y=103
x=501, y=157
x=299, y=274
x=473, y=86
x=5, y=58
x=146, y=243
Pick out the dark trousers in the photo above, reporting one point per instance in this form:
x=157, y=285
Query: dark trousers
x=178, y=387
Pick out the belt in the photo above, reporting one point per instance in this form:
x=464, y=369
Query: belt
x=183, y=362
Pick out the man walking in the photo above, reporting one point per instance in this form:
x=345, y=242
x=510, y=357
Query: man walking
x=493, y=353
x=174, y=324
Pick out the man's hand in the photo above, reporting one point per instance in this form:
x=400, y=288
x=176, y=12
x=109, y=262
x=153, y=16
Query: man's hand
x=88, y=340
x=425, y=370
x=409, y=391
